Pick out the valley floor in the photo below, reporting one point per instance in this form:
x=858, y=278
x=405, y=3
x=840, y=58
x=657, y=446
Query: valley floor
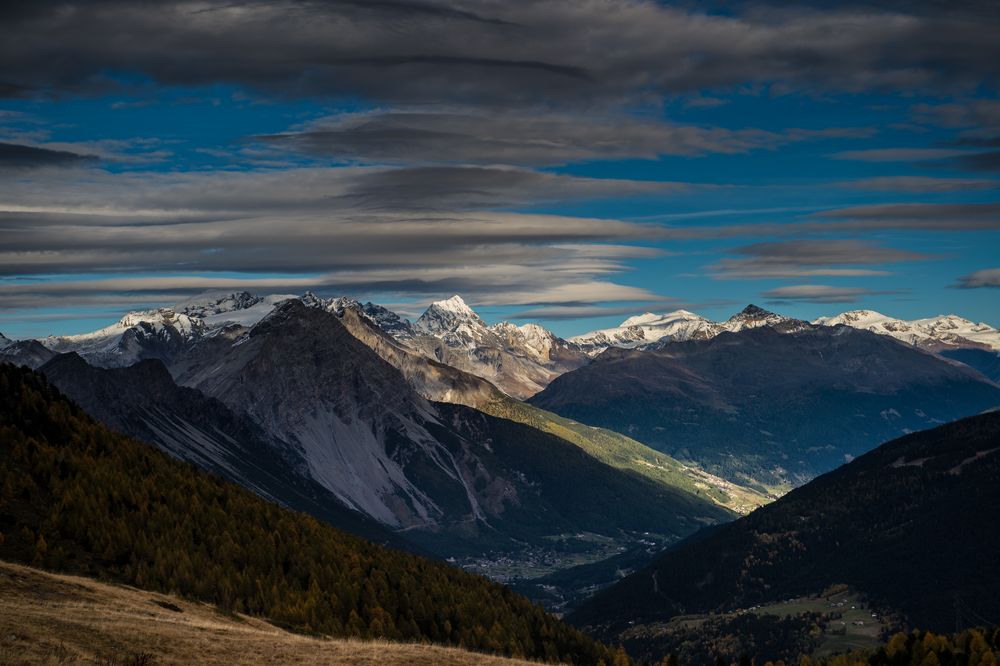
x=47, y=618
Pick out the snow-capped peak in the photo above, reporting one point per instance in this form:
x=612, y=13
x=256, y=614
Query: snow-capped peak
x=752, y=316
x=5, y=341
x=853, y=317
x=652, y=319
x=529, y=339
x=648, y=328
x=341, y=303
x=933, y=332
x=154, y=319
x=455, y=305
x=214, y=303
x=446, y=316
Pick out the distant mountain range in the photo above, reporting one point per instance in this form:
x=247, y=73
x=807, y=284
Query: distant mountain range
x=768, y=406
x=935, y=333
x=520, y=360
x=678, y=325
x=911, y=525
x=449, y=351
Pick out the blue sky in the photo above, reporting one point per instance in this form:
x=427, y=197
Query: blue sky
x=542, y=179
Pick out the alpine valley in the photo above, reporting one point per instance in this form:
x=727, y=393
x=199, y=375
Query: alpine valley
x=555, y=466
x=346, y=411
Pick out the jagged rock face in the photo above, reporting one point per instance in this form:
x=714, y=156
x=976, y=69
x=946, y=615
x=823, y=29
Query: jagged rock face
x=390, y=322
x=352, y=419
x=521, y=360
x=163, y=333
x=156, y=333
x=209, y=305
x=752, y=317
x=935, y=333
x=26, y=352
x=144, y=402
x=431, y=379
x=779, y=407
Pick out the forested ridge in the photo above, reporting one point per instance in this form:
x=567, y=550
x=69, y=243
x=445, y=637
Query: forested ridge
x=77, y=497
x=919, y=508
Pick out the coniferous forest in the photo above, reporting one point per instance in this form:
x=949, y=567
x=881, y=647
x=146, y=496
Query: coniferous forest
x=972, y=647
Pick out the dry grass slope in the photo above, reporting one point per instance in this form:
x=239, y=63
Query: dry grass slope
x=54, y=619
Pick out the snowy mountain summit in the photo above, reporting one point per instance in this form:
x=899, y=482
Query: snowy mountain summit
x=650, y=329
x=752, y=316
x=521, y=360
x=933, y=333
x=450, y=317
x=647, y=328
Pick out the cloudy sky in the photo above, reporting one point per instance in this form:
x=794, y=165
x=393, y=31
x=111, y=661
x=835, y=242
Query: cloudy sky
x=565, y=162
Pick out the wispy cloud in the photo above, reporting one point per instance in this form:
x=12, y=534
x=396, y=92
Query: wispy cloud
x=987, y=277
x=924, y=216
x=810, y=258
x=920, y=184
x=816, y=293
x=534, y=136
x=21, y=156
x=570, y=312
x=899, y=154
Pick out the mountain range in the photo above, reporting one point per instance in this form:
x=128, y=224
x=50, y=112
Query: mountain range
x=770, y=404
x=939, y=333
x=678, y=325
x=413, y=434
x=520, y=360
x=451, y=355
x=311, y=404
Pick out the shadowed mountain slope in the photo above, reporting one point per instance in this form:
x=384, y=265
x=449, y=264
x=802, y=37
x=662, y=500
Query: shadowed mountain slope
x=142, y=401
x=769, y=406
x=911, y=524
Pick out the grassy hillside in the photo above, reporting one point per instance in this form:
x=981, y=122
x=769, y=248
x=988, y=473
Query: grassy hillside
x=627, y=454
x=48, y=618
x=77, y=497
